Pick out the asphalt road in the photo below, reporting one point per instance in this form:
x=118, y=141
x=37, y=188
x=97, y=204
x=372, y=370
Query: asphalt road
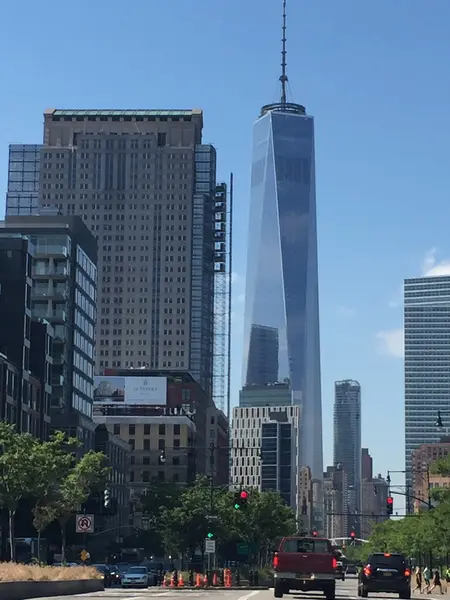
x=345, y=590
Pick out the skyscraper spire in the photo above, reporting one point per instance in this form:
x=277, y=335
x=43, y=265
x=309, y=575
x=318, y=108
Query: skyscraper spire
x=283, y=76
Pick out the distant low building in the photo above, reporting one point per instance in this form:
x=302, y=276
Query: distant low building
x=423, y=481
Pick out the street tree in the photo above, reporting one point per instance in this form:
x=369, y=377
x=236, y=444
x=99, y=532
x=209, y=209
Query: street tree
x=159, y=496
x=43, y=515
x=19, y=473
x=89, y=474
x=185, y=525
x=54, y=462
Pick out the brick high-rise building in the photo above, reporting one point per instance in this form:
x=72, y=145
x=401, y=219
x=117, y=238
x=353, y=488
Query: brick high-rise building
x=366, y=465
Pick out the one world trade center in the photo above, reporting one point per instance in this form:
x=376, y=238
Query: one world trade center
x=281, y=330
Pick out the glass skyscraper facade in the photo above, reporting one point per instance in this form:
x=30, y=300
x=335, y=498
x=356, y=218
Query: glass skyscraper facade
x=22, y=197
x=282, y=305
x=427, y=361
x=347, y=453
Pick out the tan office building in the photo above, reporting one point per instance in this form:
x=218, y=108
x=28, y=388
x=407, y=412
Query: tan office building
x=145, y=185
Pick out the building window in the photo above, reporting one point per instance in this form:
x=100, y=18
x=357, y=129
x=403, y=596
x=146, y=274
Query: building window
x=161, y=476
x=145, y=476
x=146, y=444
x=162, y=430
x=116, y=429
x=132, y=429
x=161, y=444
x=176, y=430
x=146, y=429
x=185, y=395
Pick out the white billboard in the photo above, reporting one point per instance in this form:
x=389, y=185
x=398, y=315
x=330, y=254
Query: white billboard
x=130, y=390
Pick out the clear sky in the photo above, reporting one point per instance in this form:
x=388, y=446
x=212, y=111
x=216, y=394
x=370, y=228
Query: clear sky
x=375, y=77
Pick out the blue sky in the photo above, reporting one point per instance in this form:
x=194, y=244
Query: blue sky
x=374, y=75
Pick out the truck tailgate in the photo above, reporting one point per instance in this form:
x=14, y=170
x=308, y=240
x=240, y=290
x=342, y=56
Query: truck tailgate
x=295, y=562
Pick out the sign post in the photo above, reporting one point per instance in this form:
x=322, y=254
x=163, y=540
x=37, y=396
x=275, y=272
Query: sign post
x=210, y=550
x=84, y=524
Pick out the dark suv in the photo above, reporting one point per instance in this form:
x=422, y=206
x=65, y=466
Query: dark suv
x=385, y=573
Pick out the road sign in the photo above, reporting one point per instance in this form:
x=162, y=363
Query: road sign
x=242, y=548
x=211, y=517
x=84, y=523
x=210, y=546
x=84, y=554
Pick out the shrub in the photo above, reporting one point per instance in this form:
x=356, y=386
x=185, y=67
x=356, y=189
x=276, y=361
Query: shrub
x=17, y=572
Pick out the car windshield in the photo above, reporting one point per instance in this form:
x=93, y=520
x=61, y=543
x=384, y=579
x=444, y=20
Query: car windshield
x=307, y=546
x=138, y=570
x=384, y=561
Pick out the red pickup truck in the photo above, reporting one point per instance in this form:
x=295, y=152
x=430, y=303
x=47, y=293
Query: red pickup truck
x=305, y=564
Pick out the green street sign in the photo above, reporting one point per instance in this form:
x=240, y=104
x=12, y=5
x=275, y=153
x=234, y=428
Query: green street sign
x=242, y=548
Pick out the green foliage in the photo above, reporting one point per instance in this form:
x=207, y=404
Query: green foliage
x=160, y=496
x=421, y=534
x=183, y=523
x=48, y=473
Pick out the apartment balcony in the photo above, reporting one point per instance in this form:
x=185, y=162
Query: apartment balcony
x=57, y=380
x=50, y=293
x=50, y=272
x=54, y=315
x=51, y=251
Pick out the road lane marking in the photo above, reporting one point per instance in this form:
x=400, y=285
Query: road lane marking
x=250, y=595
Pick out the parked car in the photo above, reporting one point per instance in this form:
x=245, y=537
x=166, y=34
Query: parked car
x=135, y=577
x=385, y=572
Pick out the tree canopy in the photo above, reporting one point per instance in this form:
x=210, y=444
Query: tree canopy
x=48, y=473
x=188, y=515
x=421, y=535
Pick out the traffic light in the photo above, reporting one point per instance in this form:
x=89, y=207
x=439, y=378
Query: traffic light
x=315, y=533
x=162, y=457
x=352, y=534
x=389, y=505
x=210, y=535
x=107, y=498
x=240, y=499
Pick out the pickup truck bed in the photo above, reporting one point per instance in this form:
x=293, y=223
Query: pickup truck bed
x=305, y=564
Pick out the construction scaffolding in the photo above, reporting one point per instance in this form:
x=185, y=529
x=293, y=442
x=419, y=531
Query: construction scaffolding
x=223, y=237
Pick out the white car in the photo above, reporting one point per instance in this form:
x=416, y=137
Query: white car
x=135, y=577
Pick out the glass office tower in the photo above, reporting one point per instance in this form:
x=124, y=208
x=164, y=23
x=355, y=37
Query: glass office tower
x=282, y=278
x=427, y=363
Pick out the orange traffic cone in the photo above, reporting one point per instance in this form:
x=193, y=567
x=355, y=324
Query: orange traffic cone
x=172, y=580
x=215, y=581
x=180, y=580
x=198, y=582
x=205, y=580
x=164, y=581
x=228, y=578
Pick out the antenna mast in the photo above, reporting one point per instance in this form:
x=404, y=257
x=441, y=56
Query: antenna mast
x=283, y=76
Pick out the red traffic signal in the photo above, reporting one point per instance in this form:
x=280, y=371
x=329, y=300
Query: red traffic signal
x=352, y=534
x=389, y=505
x=244, y=495
x=315, y=533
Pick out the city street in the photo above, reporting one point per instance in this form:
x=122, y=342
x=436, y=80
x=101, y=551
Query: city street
x=346, y=589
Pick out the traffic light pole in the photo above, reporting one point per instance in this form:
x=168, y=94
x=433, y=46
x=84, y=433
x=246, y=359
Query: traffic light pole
x=211, y=500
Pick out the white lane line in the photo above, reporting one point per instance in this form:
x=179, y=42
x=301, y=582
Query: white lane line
x=250, y=595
